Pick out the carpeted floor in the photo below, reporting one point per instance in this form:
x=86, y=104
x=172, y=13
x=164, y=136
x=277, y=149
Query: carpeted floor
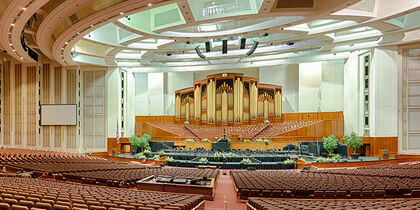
x=225, y=192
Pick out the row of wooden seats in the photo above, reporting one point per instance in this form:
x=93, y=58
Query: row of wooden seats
x=177, y=129
x=272, y=204
x=26, y=193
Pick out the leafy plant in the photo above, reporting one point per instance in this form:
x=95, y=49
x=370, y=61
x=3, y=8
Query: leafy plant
x=246, y=161
x=247, y=140
x=353, y=141
x=326, y=160
x=141, y=142
x=336, y=156
x=266, y=141
x=156, y=157
x=204, y=140
x=203, y=160
x=259, y=140
x=330, y=143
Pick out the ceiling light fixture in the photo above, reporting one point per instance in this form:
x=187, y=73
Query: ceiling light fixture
x=24, y=9
x=121, y=13
x=149, y=4
x=12, y=24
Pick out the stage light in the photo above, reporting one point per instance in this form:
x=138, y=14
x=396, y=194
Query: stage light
x=243, y=43
x=207, y=46
x=224, y=47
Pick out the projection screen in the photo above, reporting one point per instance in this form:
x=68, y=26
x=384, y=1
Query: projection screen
x=58, y=114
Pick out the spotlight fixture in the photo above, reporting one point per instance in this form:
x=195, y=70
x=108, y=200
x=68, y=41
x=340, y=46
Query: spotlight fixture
x=290, y=43
x=207, y=46
x=188, y=42
x=197, y=50
x=149, y=4
x=168, y=53
x=243, y=43
x=224, y=46
x=128, y=17
x=266, y=34
x=253, y=48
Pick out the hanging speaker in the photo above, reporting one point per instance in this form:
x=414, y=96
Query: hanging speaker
x=243, y=43
x=224, y=47
x=253, y=48
x=197, y=50
x=207, y=46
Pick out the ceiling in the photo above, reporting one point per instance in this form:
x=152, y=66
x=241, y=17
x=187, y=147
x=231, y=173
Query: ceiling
x=155, y=36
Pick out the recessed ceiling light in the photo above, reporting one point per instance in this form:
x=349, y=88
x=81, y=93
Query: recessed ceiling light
x=149, y=4
x=66, y=43
x=14, y=50
x=10, y=32
x=121, y=13
x=78, y=33
x=21, y=58
x=91, y=25
x=10, y=44
x=12, y=24
x=24, y=9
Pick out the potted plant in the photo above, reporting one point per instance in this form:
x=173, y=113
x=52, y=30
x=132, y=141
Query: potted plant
x=246, y=161
x=169, y=160
x=354, y=142
x=203, y=160
x=204, y=140
x=156, y=157
x=247, y=140
x=189, y=140
x=330, y=143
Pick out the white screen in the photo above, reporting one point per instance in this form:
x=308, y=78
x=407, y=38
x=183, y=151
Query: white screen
x=58, y=114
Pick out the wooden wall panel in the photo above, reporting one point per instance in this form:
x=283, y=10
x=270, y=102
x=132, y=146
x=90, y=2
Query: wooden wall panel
x=155, y=132
x=31, y=104
x=57, y=100
x=71, y=99
x=323, y=128
x=313, y=116
x=18, y=125
x=45, y=99
x=7, y=104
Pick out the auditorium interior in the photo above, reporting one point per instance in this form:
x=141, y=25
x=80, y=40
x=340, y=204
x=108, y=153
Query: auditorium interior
x=209, y=104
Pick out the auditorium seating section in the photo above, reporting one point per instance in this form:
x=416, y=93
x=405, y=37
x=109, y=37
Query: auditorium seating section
x=247, y=131
x=89, y=170
x=324, y=185
x=126, y=178
x=27, y=193
x=271, y=204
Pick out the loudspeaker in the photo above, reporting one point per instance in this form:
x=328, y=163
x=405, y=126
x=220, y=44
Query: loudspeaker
x=197, y=50
x=243, y=43
x=253, y=48
x=207, y=46
x=224, y=47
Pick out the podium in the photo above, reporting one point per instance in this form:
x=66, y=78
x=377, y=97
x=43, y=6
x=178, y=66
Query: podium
x=221, y=145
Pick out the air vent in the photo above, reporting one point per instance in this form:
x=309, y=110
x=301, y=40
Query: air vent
x=74, y=18
x=282, y=4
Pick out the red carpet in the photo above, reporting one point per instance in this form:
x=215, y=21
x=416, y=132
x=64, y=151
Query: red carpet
x=225, y=192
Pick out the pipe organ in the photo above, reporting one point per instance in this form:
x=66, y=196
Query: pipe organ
x=228, y=99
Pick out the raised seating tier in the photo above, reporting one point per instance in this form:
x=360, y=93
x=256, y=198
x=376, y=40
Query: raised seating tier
x=306, y=184
x=25, y=193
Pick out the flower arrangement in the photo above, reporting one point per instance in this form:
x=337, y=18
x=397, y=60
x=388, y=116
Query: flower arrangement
x=289, y=161
x=186, y=122
x=169, y=160
x=247, y=140
x=162, y=153
x=189, y=140
x=301, y=159
x=204, y=140
x=203, y=160
x=224, y=155
x=266, y=141
x=266, y=122
x=141, y=156
x=259, y=140
x=326, y=160
x=246, y=161
x=156, y=157
x=147, y=152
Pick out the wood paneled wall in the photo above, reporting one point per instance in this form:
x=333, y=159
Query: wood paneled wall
x=155, y=132
x=160, y=119
x=7, y=104
x=324, y=128
x=71, y=81
x=32, y=106
x=45, y=99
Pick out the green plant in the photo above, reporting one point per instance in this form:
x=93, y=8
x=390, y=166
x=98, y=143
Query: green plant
x=330, y=143
x=204, y=140
x=141, y=142
x=326, y=160
x=247, y=140
x=259, y=140
x=335, y=156
x=266, y=141
x=156, y=157
x=203, y=160
x=353, y=141
x=246, y=161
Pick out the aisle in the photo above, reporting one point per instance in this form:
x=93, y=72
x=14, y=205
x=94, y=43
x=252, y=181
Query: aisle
x=225, y=192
